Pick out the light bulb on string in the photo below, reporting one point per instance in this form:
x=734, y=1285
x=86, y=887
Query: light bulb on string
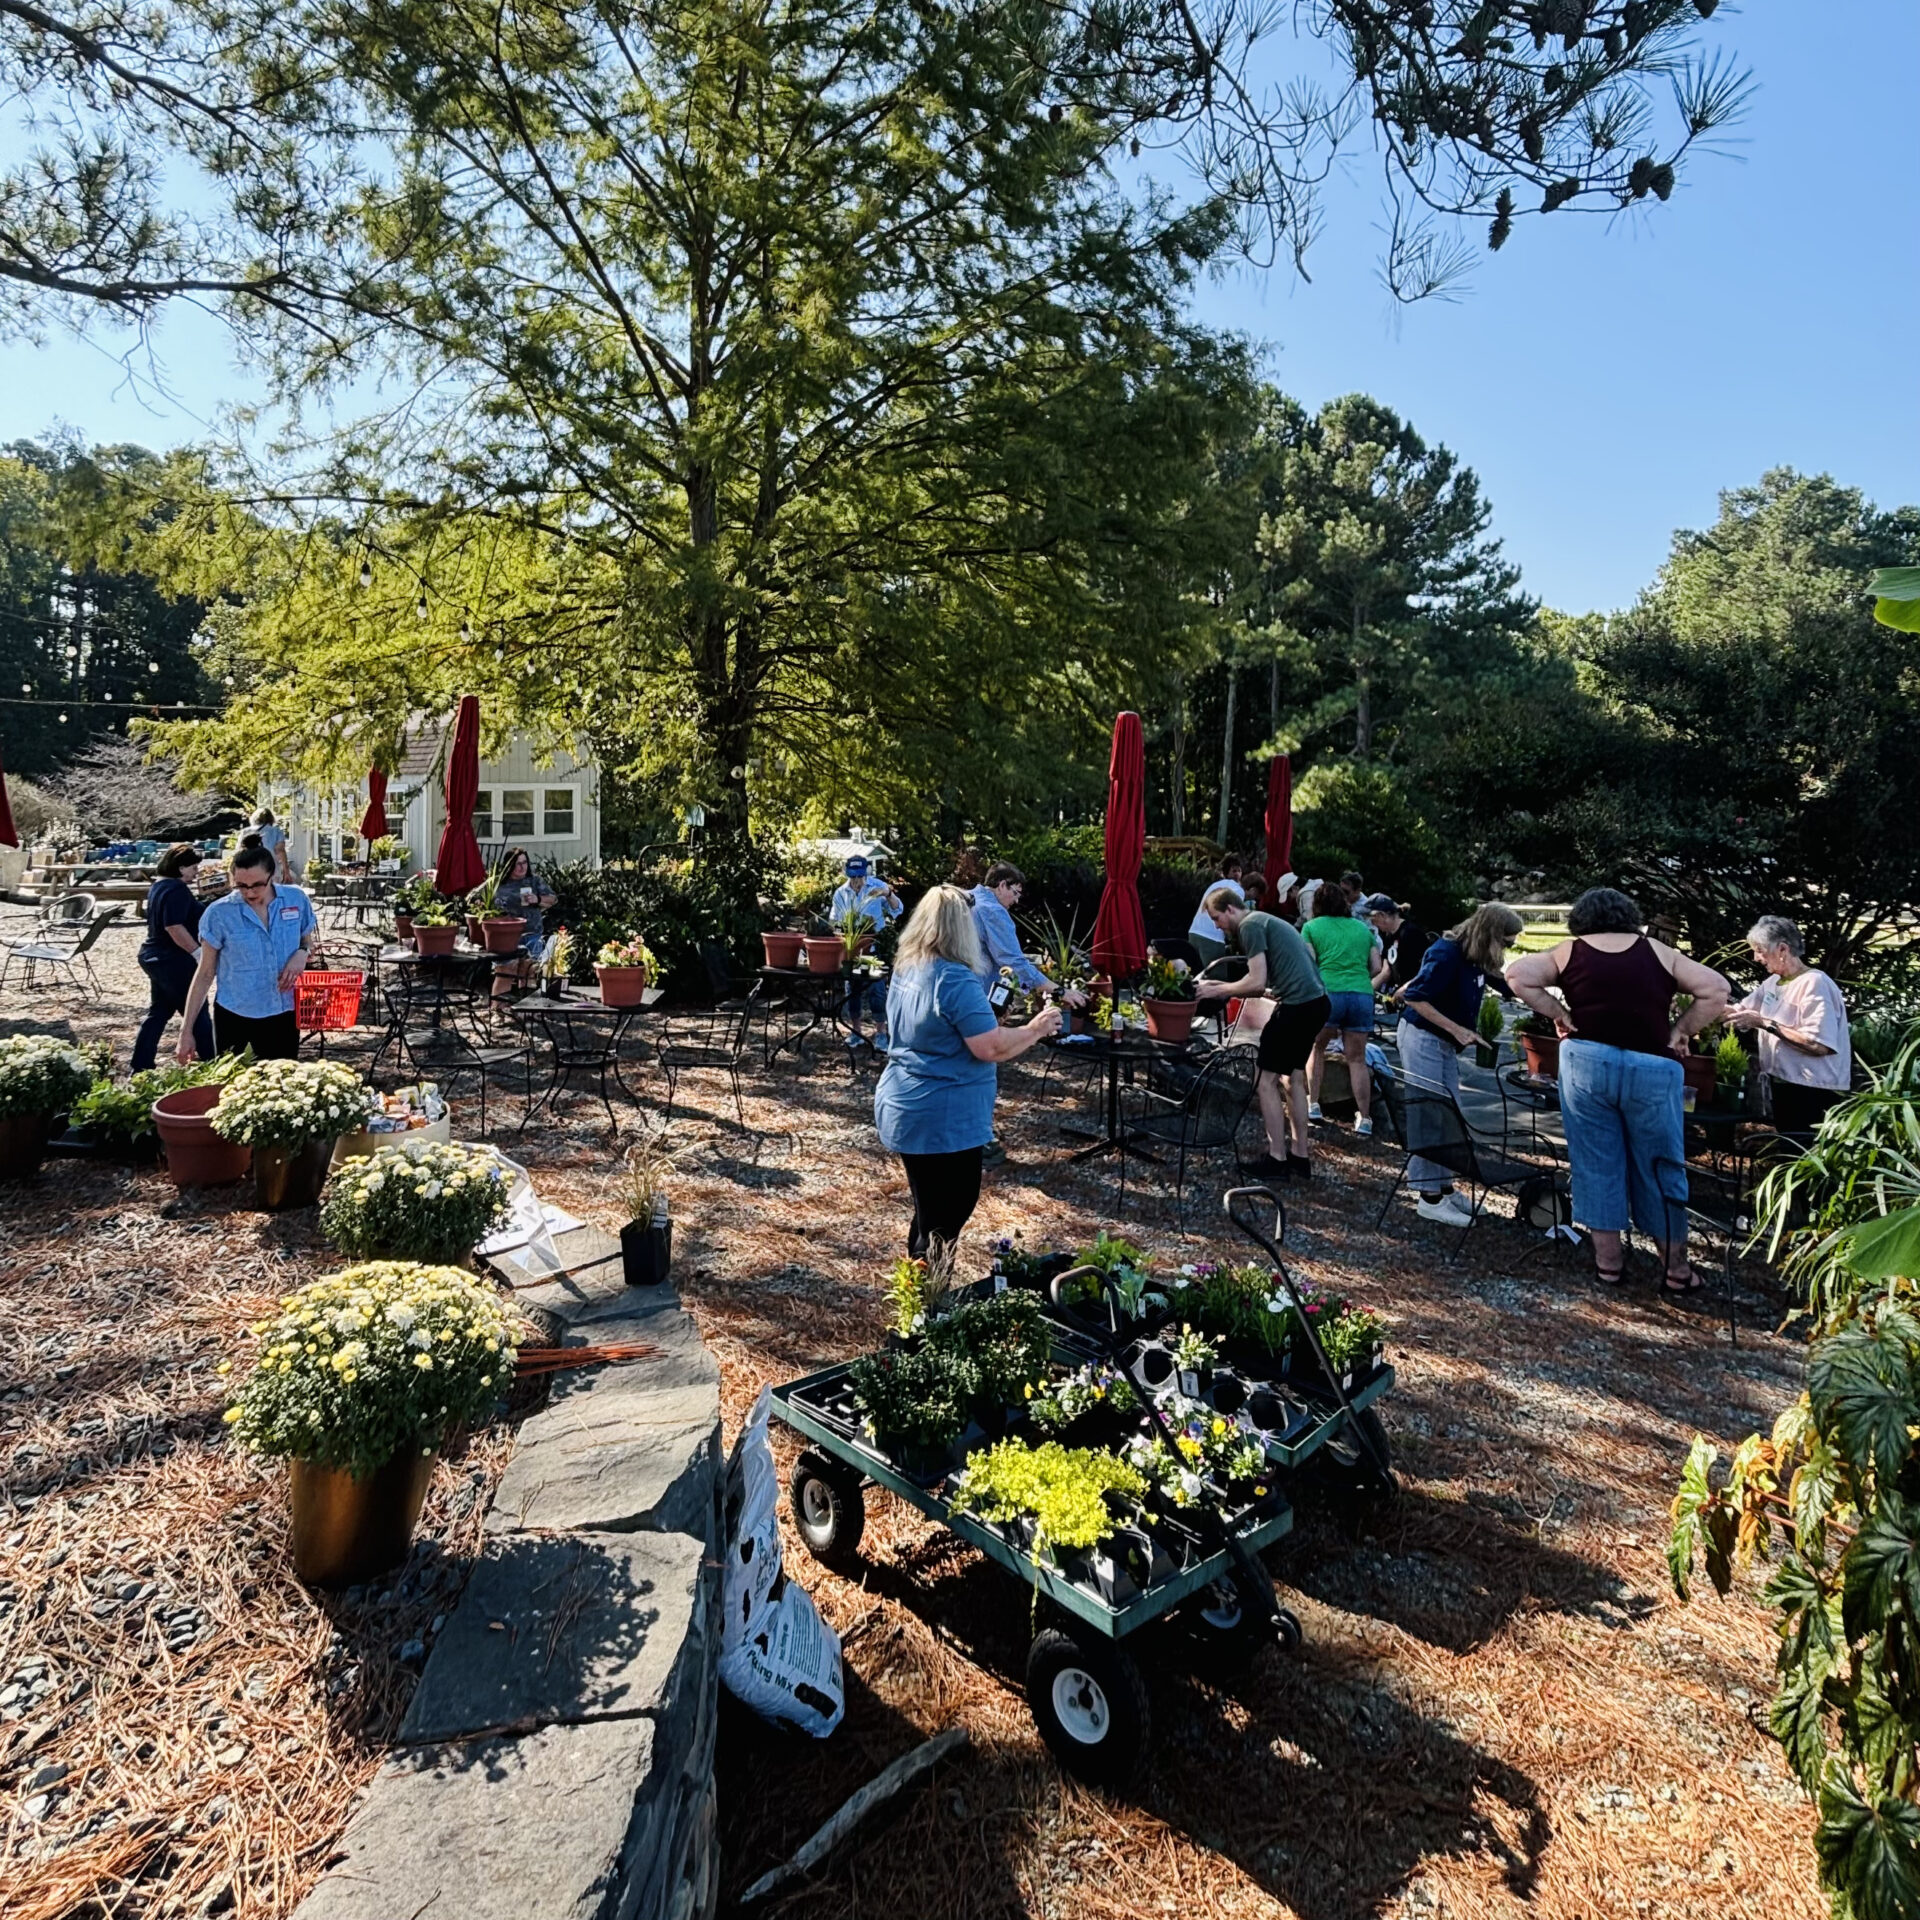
x=366, y=573
x=153, y=666
x=420, y=608
x=63, y=719
x=466, y=633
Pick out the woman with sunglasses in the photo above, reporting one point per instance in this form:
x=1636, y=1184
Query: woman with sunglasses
x=254, y=945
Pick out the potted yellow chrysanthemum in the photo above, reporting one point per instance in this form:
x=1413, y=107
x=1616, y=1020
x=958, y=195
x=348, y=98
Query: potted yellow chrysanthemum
x=359, y=1382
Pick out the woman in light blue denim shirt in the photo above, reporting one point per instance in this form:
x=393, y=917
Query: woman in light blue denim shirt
x=934, y=1104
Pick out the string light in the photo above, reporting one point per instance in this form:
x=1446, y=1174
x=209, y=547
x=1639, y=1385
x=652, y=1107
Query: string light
x=420, y=608
x=153, y=666
x=366, y=573
x=466, y=633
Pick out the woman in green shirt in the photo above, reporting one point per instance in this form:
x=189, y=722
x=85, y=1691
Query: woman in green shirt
x=1350, y=963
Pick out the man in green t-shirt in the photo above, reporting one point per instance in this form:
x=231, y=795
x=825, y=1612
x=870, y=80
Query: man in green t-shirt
x=1279, y=966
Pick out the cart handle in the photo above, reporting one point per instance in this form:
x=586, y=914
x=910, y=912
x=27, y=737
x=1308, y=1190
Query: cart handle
x=1241, y=1218
x=1062, y=1305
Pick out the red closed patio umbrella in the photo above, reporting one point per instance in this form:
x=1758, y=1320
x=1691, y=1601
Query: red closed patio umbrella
x=373, y=823
x=8, y=837
x=1120, y=933
x=1279, y=823
x=457, y=867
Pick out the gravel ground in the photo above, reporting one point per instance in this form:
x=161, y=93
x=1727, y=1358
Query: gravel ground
x=1499, y=1709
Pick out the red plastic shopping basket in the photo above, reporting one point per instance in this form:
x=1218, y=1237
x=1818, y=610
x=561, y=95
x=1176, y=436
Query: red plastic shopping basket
x=327, y=1002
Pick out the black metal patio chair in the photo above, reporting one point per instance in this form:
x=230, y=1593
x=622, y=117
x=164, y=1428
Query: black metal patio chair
x=1205, y=1117
x=442, y=1051
x=704, y=1040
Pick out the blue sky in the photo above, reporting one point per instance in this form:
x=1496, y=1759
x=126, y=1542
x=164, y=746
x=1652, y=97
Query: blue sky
x=1607, y=378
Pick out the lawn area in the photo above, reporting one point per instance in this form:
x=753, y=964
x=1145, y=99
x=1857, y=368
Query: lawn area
x=1500, y=1708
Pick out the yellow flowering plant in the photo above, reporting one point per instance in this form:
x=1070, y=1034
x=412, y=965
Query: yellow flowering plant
x=286, y=1103
x=364, y=1364
x=430, y=1202
x=1065, y=1490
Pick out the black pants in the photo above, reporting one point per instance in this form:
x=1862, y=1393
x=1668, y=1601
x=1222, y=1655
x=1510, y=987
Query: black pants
x=946, y=1189
x=167, y=982
x=274, y=1038
x=1799, y=1110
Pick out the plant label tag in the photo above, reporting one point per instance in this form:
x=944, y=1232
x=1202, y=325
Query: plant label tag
x=1190, y=1384
x=999, y=1283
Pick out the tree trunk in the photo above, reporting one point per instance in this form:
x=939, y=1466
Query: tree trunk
x=1362, y=698
x=1177, y=775
x=1221, y=831
x=1273, y=697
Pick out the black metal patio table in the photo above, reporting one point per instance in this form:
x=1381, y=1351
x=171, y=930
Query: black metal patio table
x=467, y=963
x=583, y=1036
x=1113, y=1051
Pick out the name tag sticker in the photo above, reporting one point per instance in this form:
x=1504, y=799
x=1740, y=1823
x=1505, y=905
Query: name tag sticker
x=289, y=913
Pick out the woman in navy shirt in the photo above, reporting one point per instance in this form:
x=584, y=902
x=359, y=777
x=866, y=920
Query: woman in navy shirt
x=934, y=1103
x=168, y=953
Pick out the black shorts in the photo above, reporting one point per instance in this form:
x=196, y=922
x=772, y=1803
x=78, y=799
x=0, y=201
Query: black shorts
x=1288, y=1036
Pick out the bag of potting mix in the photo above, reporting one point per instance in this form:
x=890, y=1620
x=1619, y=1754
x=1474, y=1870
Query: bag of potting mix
x=776, y=1653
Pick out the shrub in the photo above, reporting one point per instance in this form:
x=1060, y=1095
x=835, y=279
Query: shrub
x=915, y=1399
x=363, y=1364
x=431, y=1202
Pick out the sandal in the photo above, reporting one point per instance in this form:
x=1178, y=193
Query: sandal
x=1609, y=1277
x=1691, y=1284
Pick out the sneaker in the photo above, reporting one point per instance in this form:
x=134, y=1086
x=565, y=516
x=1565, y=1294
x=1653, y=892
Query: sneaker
x=1448, y=1211
x=1364, y=1127
x=1313, y=1111
x=1299, y=1167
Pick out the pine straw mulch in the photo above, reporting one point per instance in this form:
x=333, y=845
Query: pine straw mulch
x=1500, y=1709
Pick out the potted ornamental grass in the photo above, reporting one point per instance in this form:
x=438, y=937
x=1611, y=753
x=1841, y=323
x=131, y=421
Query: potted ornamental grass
x=625, y=969
x=291, y=1113
x=489, y=924
x=41, y=1077
x=1168, y=997
x=358, y=1383
x=855, y=928
x=432, y=1201
x=1490, y=1026
x=646, y=1238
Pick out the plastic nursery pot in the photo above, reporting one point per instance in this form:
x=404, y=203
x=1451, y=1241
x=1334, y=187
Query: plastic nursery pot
x=1266, y=1410
x=646, y=1252
x=23, y=1144
x=1542, y=1054
x=289, y=1177
x=825, y=954
x=1153, y=1365
x=196, y=1155
x=1229, y=1392
x=621, y=986
x=1169, y=1019
x=500, y=933
x=435, y=939
x=347, y=1530
x=1485, y=1055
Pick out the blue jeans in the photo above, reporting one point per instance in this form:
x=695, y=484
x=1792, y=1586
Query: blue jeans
x=167, y=982
x=1350, y=1012
x=1436, y=1061
x=1625, y=1137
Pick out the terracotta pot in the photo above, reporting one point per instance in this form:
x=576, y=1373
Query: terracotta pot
x=826, y=953
x=435, y=939
x=23, y=1144
x=403, y=925
x=621, y=986
x=1701, y=1072
x=473, y=929
x=347, y=1530
x=1542, y=1054
x=1169, y=1019
x=500, y=932
x=783, y=949
x=289, y=1177
x=196, y=1155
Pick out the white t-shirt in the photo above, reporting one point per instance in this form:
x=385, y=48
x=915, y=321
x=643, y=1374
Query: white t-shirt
x=1811, y=1004
x=1203, y=927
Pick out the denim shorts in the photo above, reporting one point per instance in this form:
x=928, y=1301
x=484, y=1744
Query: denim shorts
x=1350, y=1012
x=1625, y=1137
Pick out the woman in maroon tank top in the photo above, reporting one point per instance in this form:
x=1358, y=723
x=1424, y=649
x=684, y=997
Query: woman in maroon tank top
x=1620, y=1075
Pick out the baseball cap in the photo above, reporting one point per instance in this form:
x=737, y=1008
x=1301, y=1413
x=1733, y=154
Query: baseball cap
x=857, y=865
x=1378, y=903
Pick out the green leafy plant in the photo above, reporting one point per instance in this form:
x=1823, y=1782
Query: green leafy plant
x=1242, y=1303
x=918, y=1288
x=430, y=1202
x=1193, y=1351
x=1878, y=1036
x=122, y=1110
x=1491, y=1021
x=1003, y=1343
x=367, y=1363
x=1079, y=1393
x=1731, y=1061
x=435, y=911
x=1067, y=1491
x=1832, y=1496
x=481, y=902
x=1168, y=979
x=628, y=951
x=1063, y=956
x=413, y=894
x=1351, y=1338
x=912, y=1399
x=42, y=1074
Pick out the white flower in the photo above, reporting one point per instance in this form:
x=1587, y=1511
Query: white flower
x=420, y=1337
x=1190, y=1485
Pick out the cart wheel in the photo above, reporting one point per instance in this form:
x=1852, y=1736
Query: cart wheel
x=1346, y=1465
x=1223, y=1632
x=1090, y=1705
x=827, y=1507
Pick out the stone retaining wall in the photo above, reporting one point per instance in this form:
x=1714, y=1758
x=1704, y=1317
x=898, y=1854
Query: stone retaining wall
x=557, y=1760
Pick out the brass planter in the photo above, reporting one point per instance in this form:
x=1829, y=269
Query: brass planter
x=346, y=1531
x=286, y=1177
